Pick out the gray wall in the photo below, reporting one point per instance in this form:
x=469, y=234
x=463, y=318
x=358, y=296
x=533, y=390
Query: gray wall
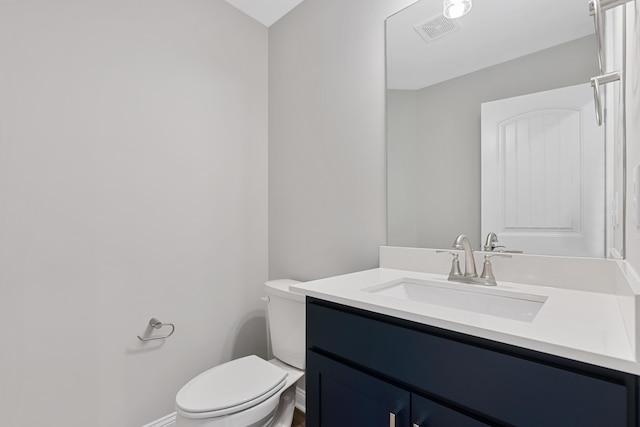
x=133, y=169
x=403, y=168
x=327, y=138
x=448, y=148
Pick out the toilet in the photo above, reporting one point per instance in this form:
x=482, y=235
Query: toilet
x=250, y=391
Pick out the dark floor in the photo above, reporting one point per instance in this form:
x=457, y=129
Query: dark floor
x=298, y=418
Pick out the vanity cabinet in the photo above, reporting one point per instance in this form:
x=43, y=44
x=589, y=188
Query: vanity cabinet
x=349, y=397
x=367, y=369
x=427, y=413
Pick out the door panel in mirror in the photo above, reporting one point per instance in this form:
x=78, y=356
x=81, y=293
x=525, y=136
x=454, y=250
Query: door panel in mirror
x=543, y=173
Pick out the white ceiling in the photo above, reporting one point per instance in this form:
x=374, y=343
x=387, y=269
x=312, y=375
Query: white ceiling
x=494, y=31
x=265, y=11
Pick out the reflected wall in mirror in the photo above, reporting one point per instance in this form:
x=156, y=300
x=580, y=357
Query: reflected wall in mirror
x=543, y=183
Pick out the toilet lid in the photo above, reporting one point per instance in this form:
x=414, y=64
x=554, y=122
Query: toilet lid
x=230, y=385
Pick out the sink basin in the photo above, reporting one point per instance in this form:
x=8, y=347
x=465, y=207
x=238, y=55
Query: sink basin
x=477, y=299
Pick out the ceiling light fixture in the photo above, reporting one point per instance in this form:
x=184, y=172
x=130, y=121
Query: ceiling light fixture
x=453, y=9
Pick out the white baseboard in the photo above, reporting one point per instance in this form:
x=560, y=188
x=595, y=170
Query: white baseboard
x=301, y=398
x=166, y=421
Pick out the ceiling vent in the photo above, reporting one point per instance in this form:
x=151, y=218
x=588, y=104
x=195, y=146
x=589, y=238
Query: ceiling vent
x=436, y=27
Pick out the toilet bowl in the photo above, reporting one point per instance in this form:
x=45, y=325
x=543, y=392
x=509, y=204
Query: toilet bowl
x=250, y=391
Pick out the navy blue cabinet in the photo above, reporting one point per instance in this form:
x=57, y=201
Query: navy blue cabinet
x=427, y=413
x=347, y=397
x=362, y=364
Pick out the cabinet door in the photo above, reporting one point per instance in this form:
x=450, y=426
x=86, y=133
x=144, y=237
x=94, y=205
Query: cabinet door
x=341, y=396
x=427, y=413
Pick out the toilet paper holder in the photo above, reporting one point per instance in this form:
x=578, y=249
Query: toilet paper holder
x=156, y=324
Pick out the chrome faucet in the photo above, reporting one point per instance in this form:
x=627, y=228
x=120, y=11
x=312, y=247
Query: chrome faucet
x=491, y=243
x=463, y=242
x=470, y=275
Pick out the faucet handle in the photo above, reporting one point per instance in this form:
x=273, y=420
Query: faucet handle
x=487, y=269
x=499, y=254
x=455, y=263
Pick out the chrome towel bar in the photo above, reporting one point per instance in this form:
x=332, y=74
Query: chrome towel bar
x=597, y=9
x=156, y=324
x=598, y=22
x=595, y=84
x=605, y=5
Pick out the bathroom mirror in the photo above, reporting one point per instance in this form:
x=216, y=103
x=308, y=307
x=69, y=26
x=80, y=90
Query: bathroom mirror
x=445, y=81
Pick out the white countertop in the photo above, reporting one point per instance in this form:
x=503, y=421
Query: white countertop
x=578, y=325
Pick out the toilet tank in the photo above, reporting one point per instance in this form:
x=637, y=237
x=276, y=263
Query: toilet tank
x=286, y=315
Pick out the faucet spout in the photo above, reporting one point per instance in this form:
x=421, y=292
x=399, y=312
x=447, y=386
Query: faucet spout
x=463, y=242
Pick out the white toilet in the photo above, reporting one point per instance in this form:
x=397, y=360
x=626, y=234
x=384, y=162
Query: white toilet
x=250, y=391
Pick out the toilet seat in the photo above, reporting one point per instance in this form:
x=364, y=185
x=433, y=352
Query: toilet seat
x=229, y=388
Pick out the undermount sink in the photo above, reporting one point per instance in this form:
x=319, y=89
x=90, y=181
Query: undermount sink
x=491, y=301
